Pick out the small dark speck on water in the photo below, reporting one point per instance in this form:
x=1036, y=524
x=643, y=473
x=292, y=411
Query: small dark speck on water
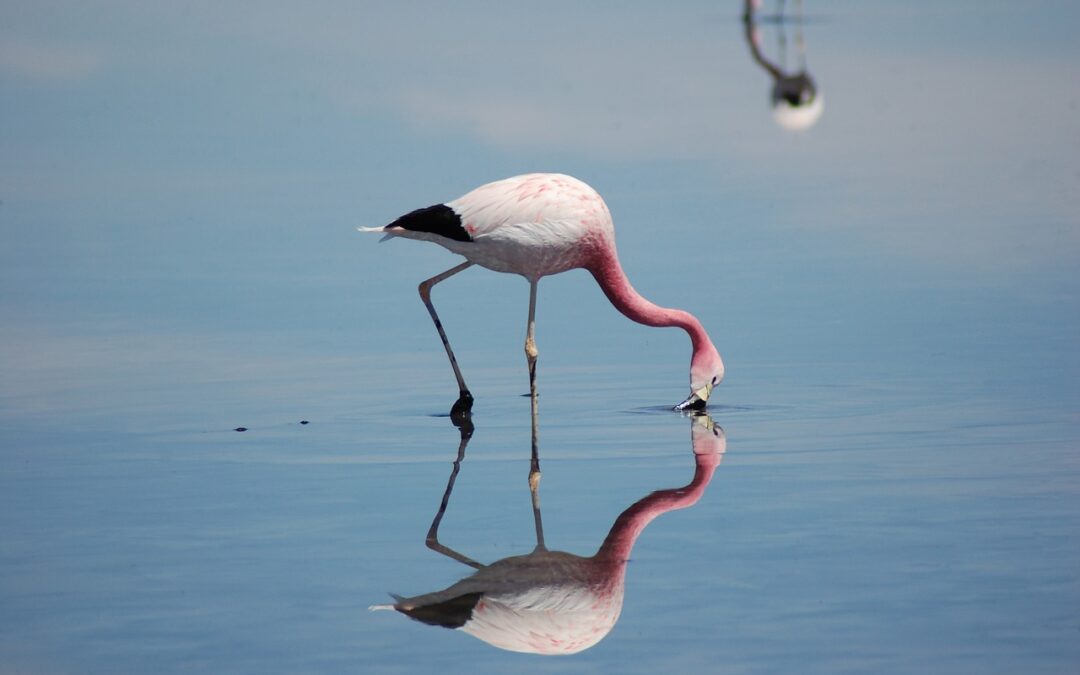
x=240, y=429
x=304, y=422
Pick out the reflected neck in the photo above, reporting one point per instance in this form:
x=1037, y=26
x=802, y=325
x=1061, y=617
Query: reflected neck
x=631, y=522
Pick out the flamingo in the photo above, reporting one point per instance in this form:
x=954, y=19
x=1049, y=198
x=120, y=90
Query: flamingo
x=536, y=225
x=554, y=602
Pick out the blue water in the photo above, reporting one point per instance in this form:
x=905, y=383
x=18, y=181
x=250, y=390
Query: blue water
x=894, y=292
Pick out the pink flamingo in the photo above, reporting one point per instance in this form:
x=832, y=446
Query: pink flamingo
x=553, y=602
x=536, y=225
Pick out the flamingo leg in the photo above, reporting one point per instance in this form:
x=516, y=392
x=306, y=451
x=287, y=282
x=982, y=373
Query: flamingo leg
x=534, y=466
x=534, y=478
x=432, y=539
x=530, y=342
x=464, y=403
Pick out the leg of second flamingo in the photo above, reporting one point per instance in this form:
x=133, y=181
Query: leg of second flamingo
x=465, y=399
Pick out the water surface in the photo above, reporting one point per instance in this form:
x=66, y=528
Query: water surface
x=893, y=289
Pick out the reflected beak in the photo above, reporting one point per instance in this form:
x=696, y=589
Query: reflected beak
x=703, y=420
x=697, y=400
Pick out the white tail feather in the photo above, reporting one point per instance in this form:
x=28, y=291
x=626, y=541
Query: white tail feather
x=387, y=234
x=397, y=598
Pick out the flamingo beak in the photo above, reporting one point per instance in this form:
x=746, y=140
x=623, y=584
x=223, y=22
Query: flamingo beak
x=697, y=400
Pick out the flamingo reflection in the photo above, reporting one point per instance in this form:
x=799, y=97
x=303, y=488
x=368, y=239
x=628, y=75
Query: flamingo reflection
x=797, y=103
x=553, y=602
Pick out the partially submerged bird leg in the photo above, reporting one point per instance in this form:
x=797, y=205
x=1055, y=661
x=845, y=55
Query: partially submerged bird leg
x=463, y=405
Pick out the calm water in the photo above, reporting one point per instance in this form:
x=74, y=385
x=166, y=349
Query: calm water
x=893, y=288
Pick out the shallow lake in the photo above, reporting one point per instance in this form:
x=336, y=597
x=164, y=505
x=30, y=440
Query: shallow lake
x=888, y=480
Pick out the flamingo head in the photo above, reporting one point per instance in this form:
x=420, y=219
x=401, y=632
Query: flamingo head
x=706, y=371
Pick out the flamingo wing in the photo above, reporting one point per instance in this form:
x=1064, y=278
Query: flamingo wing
x=523, y=201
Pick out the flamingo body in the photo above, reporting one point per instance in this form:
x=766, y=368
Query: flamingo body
x=540, y=224
x=533, y=225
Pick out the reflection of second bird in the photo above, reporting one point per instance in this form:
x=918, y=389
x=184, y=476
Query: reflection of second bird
x=552, y=602
x=797, y=103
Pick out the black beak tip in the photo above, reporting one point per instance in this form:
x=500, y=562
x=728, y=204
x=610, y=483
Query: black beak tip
x=695, y=402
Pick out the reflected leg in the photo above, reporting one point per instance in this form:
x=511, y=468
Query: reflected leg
x=432, y=539
x=531, y=353
x=534, y=460
x=800, y=42
x=534, y=479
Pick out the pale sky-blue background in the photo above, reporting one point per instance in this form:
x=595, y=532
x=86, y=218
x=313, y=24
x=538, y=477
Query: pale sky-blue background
x=179, y=190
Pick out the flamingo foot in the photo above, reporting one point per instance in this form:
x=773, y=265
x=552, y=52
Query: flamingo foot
x=462, y=408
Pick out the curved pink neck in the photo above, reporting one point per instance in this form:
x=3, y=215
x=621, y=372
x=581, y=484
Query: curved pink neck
x=609, y=274
x=630, y=523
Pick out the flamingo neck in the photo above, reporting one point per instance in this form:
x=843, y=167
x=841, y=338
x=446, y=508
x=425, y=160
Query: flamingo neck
x=631, y=522
x=609, y=274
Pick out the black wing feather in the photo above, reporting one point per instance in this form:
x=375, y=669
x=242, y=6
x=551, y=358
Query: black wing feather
x=452, y=613
x=439, y=219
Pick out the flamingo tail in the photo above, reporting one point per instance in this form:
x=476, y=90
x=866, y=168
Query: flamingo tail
x=386, y=234
x=397, y=600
